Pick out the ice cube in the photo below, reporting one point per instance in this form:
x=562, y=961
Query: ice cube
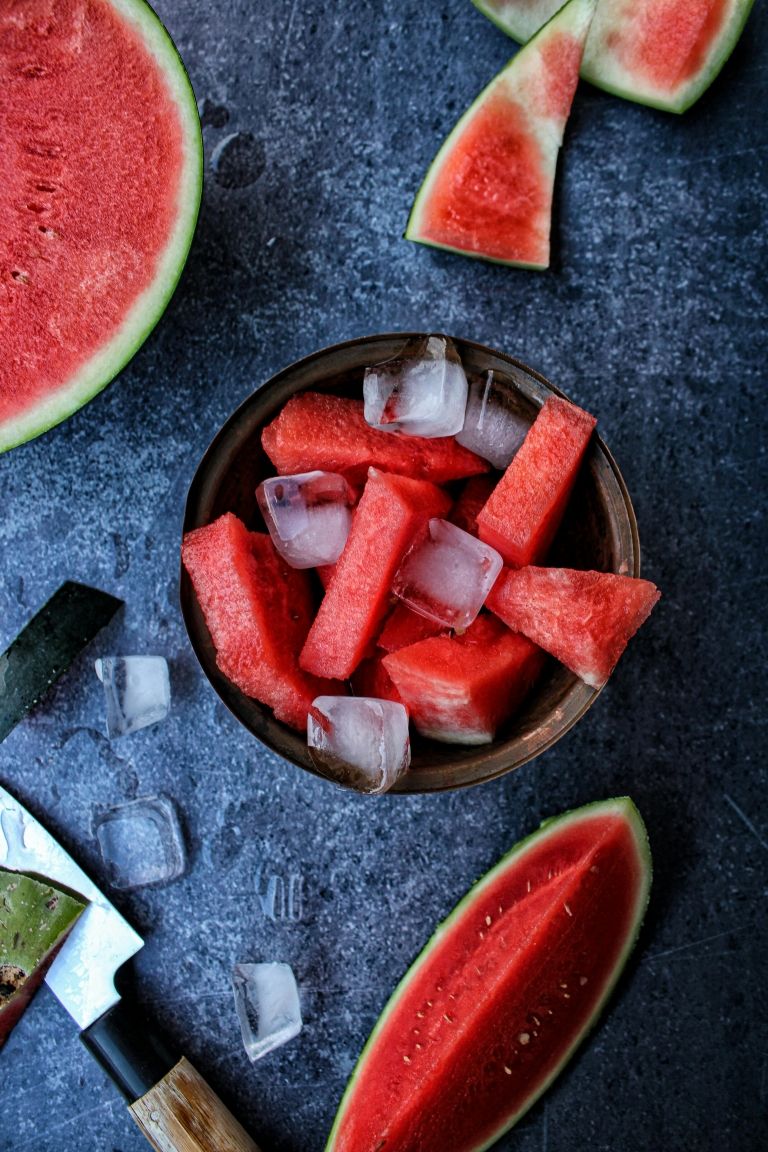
x=267, y=1003
x=447, y=574
x=140, y=842
x=308, y=516
x=359, y=741
x=422, y=393
x=137, y=691
x=493, y=427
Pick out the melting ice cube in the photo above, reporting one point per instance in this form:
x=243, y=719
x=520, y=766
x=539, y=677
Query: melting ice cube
x=267, y=1003
x=423, y=392
x=493, y=427
x=140, y=842
x=446, y=574
x=137, y=691
x=359, y=741
x=308, y=516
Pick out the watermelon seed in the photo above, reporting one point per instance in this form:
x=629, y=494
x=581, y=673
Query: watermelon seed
x=43, y=187
x=448, y=1018
x=500, y=909
x=429, y=1002
x=594, y=868
x=488, y=921
x=481, y=935
x=418, y=1046
x=536, y=1020
x=568, y=909
x=420, y=1015
x=507, y=1070
x=563, y=985
x=21, y=277
x=36, y=207
x=478, y=970
x=524, y=1037
x=406, y=1059
x=582, y=980
x=49, y=233
x=528, y=885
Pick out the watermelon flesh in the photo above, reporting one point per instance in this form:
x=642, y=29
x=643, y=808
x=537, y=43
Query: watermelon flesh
x=371, y=679
x=474, y=496
x=460, y=689
x=315, y=430
x=404, y=627
x=100, y=164
x=489, y=191
x=501, y=996
x=525, y=509
x=390, y=512
x=258, y=611
x=659, y=52
x=585, y=619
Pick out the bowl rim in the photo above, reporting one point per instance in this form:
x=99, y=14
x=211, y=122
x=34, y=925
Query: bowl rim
x=488, y=759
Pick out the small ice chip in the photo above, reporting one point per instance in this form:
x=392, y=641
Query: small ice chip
x=493, y=427
x=359, y=741
x=267, y=1003
x=422, y=393
x=447, y=574
x=140, y=842
x=308, y=516
x=137, y=691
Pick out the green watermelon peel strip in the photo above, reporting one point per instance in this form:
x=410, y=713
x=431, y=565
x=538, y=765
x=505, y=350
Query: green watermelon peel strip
x=625, y=810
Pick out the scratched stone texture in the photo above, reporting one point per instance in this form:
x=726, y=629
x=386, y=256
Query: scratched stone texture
x=319, y=122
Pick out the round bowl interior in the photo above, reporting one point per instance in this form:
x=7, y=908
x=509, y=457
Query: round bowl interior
x=598, y=532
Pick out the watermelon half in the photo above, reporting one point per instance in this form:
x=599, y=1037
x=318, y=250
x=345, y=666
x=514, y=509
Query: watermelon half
x=101, y=176
x=488, y=192
x=664, y=53
x=504, y=991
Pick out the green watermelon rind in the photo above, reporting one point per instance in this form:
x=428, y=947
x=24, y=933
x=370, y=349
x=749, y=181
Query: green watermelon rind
x=688, y=95
x=100, y=369
x=621, y=806
x=422, y=196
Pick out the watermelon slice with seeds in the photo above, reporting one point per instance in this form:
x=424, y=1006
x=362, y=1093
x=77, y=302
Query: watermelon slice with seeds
x=488, y=192
x=101, y=171
x=664, y=53
x=585, y=619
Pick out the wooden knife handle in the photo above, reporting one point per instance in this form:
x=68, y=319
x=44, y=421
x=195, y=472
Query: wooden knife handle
x=182, y=1114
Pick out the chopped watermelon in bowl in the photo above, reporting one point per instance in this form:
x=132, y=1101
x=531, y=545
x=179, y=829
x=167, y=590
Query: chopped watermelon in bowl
x=598, y=532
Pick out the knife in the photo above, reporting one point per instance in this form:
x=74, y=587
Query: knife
x=171, y=1103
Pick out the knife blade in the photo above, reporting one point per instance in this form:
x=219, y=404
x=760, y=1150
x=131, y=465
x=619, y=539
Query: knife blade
x=172, y=1104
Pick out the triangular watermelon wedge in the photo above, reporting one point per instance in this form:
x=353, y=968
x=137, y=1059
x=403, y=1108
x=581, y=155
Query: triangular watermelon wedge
x=584, y=619
x=488, y=193
x=659, y=52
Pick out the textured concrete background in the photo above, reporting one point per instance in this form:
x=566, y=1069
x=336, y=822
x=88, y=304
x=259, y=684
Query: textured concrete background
x=320, y=120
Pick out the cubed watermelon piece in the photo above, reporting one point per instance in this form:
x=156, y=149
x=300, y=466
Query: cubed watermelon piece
x=316, y=430
x=404, y=627
x=258, y=611
x=585, y=619
x=371, y=679
x=473, y=496
x=527, y=505
x=461, y=689
x=390, y=512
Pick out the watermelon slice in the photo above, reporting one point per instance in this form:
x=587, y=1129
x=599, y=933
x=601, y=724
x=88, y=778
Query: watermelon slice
x=527, y=505
x=35, y=920
x=488, y=192
x=585, y=619
x=461, y=689
x=659, y=52
x=390, y=512
x=101, y=170
x=505, y=990
x=258, y=611
x=315, y=430
x=404, y=627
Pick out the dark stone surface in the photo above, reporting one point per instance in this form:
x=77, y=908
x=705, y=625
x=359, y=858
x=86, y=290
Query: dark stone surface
x=654, y=318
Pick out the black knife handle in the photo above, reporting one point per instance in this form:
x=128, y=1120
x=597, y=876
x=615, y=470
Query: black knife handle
x=128, y=1048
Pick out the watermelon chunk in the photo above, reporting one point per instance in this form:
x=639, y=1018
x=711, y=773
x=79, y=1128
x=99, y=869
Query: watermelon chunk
x=101, y=171
x=461, y=689
x=474, y=496
x=404, y=627
x=371, y=679
x=315, y=430
x=258, y=611
x=585, y=619
x=659, y=52
x=505, y=990
x=489, y=190
x=391, y=510
x=527, y=505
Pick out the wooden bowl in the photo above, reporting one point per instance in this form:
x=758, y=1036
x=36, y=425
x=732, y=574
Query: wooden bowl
x=599, y=532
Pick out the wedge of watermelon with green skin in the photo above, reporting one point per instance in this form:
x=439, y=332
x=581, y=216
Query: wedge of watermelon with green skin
x=460, y=689
x=489, y=190
x=35, y=920
x=258, y=611
x=101, y=169
x=390, y=512
x=504, y=992
x=319, y=430
x=658, y=52
x=584, y=619
x=525, y=508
